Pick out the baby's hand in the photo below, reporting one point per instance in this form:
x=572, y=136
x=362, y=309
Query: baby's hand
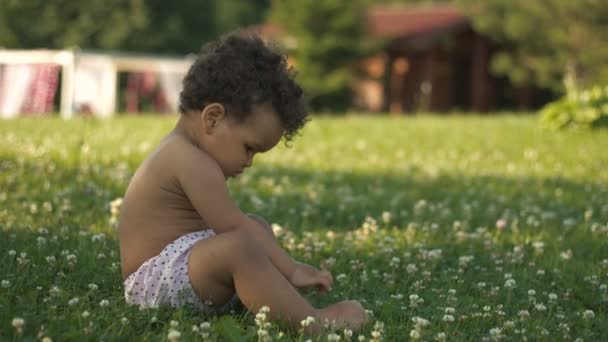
x=308, y=277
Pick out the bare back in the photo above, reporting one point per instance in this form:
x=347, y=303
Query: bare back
x=156, y=210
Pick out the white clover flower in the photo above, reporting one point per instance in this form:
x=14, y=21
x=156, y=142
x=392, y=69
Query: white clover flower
x=440, y=337
x=510, y=284
x=540, y=272
x=93, y=287
x=449, y=310
x=415, y=334
x=73, y=301
x=341, y=277
x=524, y=314
x=205, y=326
x=501, y=224
x=153, y=320
x=104, y=303
x=333, y=337
x=348, y=333
x=419, y=321
x=531, y=292
x=397, y=296
x=588, y=315
x=540, y=307
x=307, y=321
x=552, y=297
x=448, y=318
x=263, y=334
x=566, y=255
x=55, y=290
x=5, y=283
x=18, y=322
x=415, y=300
x=379, y=325
x=41, y=240
x=85, y=314
x=12, y=252
x=386, y=216
x=115, y=206
x=588, y=214
x=173, y=324
x=71, y=258
x=124, y=321
x=173, y=335
x=496, y=333
x=330, y=262
x=509, y=325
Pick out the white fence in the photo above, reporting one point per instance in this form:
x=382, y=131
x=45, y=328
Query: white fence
x=87, y=79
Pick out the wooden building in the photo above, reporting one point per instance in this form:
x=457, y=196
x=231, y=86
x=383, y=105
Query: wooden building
x=433, y=60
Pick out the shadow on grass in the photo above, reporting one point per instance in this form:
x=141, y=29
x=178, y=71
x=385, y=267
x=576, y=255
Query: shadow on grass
x=301, y=200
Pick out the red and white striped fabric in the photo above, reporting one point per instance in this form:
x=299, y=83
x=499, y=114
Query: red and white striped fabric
x=42, y=89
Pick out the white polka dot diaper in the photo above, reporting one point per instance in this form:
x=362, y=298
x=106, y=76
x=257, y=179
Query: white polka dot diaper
x=164, y=280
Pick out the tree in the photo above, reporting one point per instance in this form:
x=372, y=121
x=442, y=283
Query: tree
x=156, y=26
x=329, y=37
x=560, y=44
x=181, y=27
x=69, y=23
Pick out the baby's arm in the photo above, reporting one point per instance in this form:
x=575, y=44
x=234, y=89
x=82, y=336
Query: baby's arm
x=205, y=185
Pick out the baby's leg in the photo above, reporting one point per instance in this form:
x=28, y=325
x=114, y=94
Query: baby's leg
x=262, y=222
x=229, y=261
x=233, y=261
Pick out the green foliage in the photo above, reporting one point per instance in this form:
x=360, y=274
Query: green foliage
x=69, y=23
x=395, y=208
x=584, y=109
x=550, y=43
x=182, y=27
x=329, y=37
x=176, y=27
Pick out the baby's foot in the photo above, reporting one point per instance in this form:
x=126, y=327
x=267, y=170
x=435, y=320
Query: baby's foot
x=345, y=314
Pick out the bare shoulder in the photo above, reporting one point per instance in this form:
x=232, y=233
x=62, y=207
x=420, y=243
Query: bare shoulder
x=181, y=156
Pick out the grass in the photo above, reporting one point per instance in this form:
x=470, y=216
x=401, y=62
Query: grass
x=457, y=227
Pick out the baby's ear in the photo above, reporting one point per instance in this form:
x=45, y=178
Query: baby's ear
x=211, y=115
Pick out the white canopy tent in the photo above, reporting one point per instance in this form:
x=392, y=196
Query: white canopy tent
x=89, y=78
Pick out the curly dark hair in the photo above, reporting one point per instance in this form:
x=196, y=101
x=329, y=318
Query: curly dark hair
x=240, y=71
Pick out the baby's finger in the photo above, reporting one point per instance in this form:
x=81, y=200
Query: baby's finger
x=325, y=283
x=328, y=276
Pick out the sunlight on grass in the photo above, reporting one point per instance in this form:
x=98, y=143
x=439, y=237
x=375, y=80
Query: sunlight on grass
x=445, y=228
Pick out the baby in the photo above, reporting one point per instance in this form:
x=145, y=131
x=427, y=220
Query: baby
x=183, y=241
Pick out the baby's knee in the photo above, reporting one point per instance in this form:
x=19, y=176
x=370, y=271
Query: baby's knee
x=245, y=245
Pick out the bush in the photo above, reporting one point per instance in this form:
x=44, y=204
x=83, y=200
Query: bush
x=585, y=109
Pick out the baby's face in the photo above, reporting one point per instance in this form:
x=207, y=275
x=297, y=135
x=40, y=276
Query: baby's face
x=236, y=143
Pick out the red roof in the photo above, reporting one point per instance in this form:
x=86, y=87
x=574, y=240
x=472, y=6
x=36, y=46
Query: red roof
x=383, y=21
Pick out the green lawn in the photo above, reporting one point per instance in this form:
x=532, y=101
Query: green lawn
x=456, y=227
